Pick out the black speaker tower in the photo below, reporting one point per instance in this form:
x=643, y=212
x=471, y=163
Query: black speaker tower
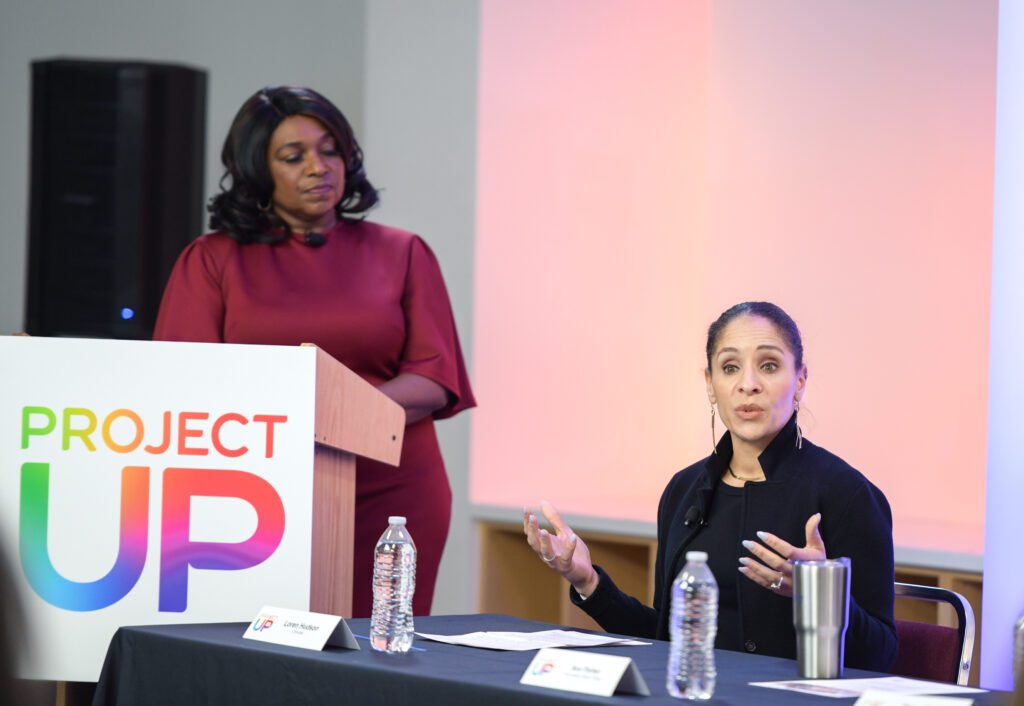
x=116, y=192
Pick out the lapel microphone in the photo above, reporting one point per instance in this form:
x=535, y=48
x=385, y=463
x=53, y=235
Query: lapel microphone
x=314, y=239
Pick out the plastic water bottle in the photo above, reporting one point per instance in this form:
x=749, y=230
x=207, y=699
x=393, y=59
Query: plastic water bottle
x=693, y=624
x=394, y=582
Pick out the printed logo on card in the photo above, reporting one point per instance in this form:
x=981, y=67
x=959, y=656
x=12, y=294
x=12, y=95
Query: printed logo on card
x=263, y=622
x=543, y=668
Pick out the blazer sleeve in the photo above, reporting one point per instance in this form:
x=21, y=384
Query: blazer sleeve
x=432, y=344
x=616, y=611
x=863, y=532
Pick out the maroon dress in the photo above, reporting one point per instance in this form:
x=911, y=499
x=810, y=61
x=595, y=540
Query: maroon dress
x=371, y=296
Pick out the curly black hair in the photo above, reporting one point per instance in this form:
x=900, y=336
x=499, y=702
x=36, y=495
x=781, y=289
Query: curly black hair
x=247, y=181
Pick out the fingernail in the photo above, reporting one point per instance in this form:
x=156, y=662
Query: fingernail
x=748, y=544
x=743, y=570
x=572, y=538
x=763, y=536
x=744, y=560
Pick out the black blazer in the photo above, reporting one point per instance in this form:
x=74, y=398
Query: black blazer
x=855, y=522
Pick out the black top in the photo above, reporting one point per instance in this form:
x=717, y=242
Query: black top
x=855, y=522
x=723, y=530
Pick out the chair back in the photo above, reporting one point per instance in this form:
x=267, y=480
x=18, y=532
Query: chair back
x=933, y=651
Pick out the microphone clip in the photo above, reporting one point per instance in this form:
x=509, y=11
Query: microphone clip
x=314, y=239
x=693, y=514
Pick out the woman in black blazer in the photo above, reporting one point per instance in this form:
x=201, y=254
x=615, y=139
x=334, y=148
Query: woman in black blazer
x=764, y=498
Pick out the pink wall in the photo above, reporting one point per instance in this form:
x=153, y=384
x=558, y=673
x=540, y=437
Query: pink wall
x=642, y=166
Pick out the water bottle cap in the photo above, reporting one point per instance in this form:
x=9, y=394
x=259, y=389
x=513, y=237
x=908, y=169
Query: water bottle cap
x=697, y=556
x=396, y=520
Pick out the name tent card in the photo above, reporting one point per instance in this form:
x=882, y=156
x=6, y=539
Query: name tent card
x=299, y=628
x=584, y=673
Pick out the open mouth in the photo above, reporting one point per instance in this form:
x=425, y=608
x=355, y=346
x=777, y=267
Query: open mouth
x=749, y=411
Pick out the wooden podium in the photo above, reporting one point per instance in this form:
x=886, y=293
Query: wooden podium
x=352, y=419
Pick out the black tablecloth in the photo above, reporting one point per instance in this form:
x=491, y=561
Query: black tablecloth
x=212, y=664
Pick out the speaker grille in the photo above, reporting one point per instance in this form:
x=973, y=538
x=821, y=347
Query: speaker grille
x=110, y=206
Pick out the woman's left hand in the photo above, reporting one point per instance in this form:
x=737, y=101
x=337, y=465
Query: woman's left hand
x=419, y=396
x=774, y=570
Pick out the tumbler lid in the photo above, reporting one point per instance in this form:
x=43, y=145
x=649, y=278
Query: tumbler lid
x=697, y=556
x=396, y=520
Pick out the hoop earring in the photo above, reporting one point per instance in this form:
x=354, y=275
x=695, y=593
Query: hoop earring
x=714, y=445
x=799, y=431
x=264, y=208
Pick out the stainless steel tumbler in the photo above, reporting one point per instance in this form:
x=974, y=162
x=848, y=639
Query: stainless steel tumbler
x=821, y=612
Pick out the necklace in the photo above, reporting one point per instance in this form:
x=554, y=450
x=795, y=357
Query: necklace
x=741, y=478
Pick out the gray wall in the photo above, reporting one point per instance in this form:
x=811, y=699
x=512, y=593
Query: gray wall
x=403, y=71
x=420, y=145
x=324, y=48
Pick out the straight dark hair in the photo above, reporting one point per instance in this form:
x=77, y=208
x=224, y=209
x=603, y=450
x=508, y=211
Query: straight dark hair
x=247, y=183
x=782, y=321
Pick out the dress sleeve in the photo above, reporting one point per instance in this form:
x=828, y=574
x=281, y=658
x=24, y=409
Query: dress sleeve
x=192, y=308
x=432, y=343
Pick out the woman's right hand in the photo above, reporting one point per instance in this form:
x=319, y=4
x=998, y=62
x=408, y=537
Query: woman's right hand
x=563, y=551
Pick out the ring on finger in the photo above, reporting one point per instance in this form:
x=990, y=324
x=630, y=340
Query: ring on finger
x=549, y=560
x=777, y=584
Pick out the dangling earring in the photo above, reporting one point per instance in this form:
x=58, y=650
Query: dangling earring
x=262, y=207
x=714, y=438
x=799, y=432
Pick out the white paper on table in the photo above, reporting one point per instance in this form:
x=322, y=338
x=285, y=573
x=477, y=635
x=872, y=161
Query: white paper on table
x=525, y=641
x=848, y=688
x=888, y=698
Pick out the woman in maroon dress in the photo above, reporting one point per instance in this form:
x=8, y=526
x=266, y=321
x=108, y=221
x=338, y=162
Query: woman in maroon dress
x=292, y=262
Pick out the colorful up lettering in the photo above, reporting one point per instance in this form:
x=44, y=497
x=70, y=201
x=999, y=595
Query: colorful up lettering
x=177, y=552
x=262, y=624
x=34, y=532
x=179, y=486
